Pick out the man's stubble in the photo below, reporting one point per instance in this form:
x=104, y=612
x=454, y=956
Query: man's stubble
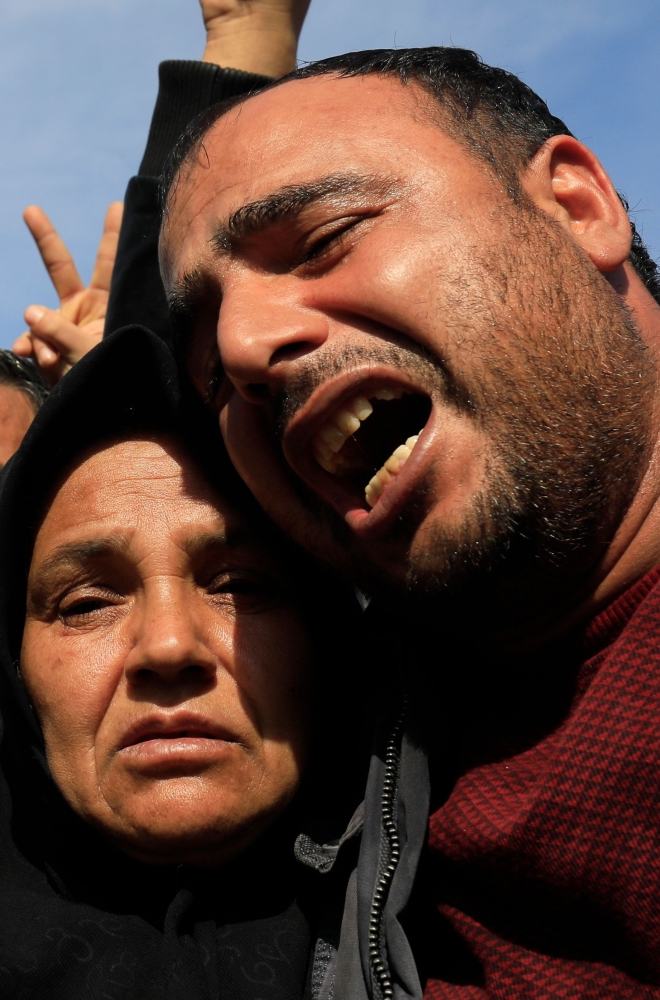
x=553, y=370
x=564, y=391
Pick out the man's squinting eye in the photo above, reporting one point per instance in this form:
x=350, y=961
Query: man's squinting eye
x=329, y=244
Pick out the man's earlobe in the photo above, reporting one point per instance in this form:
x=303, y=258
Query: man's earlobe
x=568, y=182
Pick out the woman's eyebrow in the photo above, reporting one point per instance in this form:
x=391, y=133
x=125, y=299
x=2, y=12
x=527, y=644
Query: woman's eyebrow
x=234, y=538
x=68, y=558
x=71, y=554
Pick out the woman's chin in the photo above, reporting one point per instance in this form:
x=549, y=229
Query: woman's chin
x=165, y=833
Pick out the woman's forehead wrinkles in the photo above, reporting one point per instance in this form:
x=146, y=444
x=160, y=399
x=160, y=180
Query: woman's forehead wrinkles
x=119, y=543
x=162, y=496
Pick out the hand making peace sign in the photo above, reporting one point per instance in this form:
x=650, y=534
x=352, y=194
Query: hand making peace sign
x=57, y=338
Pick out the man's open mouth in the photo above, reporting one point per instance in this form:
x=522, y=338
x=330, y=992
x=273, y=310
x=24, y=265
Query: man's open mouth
x=368, y=438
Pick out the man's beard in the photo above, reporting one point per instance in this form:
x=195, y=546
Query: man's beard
x=568, y=409
x=562, y=388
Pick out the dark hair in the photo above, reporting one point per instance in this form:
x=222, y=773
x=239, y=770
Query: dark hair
x=489, y=110
x=21, y=374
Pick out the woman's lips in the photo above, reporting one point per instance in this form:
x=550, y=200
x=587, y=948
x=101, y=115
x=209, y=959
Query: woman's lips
x=161, y=743
x=165, y=753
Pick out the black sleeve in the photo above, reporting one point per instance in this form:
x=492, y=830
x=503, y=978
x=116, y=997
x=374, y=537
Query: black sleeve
x=185, y=89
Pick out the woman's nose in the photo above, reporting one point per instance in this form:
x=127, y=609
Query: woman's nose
x=169, y=643
x=262, y=332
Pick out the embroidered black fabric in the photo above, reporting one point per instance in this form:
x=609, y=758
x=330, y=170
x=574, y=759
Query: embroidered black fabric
x=78, y=919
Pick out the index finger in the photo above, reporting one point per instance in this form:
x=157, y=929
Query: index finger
x=57, y=259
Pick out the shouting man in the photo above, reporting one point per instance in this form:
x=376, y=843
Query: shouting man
x=437, y=348
x=431, y=336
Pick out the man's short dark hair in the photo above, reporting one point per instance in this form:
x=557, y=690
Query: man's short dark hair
x=489, y=110
x=23, y=375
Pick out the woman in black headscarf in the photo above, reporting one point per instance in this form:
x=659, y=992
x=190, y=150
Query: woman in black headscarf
x=178, y=777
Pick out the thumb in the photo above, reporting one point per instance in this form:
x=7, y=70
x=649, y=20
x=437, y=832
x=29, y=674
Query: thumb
x=44, y=354
x=23, y=345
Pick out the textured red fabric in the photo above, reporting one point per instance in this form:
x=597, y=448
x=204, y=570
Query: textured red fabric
x=546, y=863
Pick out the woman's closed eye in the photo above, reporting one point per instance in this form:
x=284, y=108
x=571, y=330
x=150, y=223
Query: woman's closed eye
x=247, y=592
x=90, y=606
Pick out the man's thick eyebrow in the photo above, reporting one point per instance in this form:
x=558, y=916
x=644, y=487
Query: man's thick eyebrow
x=190, y=289
x=291, y=200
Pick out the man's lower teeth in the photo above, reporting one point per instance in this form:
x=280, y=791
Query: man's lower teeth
x=390, y=470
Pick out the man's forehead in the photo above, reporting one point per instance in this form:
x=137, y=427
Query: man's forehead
x=300, y=132
x=300, y=106
x=291, y=131
x=328, y=97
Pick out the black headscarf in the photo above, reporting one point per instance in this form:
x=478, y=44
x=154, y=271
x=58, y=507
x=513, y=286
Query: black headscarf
x=78, y=918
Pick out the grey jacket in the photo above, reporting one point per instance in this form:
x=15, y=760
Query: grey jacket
x=373, y=959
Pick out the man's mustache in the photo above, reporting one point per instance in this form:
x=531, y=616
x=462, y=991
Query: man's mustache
x=427, y=372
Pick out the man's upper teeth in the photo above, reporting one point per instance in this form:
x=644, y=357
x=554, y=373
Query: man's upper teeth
x=347, y=422
x=330, y=438
x=387, y=394
x=361, y=407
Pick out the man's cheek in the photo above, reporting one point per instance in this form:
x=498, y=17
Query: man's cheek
x=246, y=433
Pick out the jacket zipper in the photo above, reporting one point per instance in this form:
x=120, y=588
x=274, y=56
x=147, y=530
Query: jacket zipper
x=379, y=969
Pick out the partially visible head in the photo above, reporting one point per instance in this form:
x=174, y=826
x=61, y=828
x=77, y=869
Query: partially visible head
x=22, y=391
x=165, y=656
x=415, y=233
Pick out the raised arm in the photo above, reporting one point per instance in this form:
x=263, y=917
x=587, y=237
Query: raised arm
x=247, y=43
x=256, y=36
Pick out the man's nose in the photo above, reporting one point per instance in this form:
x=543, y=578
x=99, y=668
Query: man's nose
x=169, y=644
x=262, y=332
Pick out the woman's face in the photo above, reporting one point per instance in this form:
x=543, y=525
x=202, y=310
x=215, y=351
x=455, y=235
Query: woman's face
x=167, y=667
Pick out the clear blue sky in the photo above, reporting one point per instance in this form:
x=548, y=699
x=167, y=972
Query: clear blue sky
x=78, y=81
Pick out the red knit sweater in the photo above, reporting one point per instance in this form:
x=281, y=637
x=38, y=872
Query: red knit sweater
x=546, y=862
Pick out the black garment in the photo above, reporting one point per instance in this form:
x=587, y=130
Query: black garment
x=78, y=918
x=373, y=953
x=186, y=88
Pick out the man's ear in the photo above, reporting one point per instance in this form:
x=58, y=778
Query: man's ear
x=567, y=181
